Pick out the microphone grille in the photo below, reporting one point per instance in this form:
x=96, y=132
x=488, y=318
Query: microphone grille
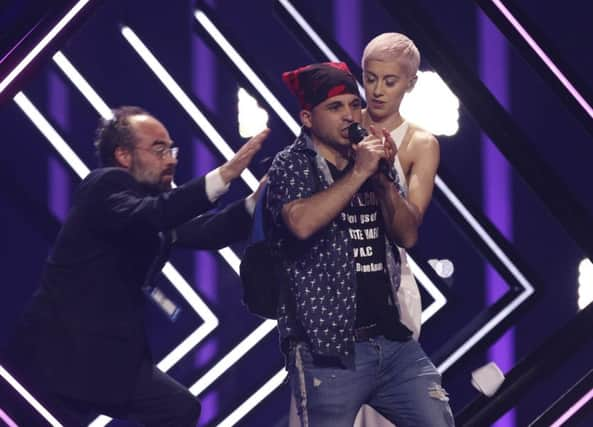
x=356, y=133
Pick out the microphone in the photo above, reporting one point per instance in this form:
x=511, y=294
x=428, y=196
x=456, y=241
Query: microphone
x=357, y=133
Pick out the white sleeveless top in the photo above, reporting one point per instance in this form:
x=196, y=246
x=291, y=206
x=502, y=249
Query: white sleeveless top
x=408, y=295
x=398, y=136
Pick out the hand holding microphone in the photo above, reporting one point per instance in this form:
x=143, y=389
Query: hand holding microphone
x=357, y=133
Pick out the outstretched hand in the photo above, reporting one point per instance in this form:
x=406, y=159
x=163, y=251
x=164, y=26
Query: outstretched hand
x=233, y=168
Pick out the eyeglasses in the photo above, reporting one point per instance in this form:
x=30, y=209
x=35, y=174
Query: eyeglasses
x=161, y=151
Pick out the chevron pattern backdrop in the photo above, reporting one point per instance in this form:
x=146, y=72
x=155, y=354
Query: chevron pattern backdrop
x=515, y=258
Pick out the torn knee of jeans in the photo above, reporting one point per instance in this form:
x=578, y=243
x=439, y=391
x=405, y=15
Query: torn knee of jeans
x=436, y=391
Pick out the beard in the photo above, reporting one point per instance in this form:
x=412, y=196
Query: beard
x=155, y=188
x=153, y=182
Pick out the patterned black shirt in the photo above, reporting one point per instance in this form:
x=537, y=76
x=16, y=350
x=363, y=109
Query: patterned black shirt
x=320, y=305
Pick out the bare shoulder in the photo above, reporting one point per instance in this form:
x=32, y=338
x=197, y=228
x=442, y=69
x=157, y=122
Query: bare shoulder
x=422, y=142
x=422, y=138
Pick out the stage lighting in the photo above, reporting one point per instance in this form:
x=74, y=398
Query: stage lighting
x=544, y=57
x=585, y=283
x=432, y=105
x=184, y=100
x=443, y=267
x=247, y=71
x=252, y=118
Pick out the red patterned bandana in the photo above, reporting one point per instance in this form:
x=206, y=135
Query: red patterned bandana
x=313, y=84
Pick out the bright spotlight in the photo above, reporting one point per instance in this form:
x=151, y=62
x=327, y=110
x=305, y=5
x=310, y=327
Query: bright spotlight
x=585, y=283
x=432, y=105
x=443, y=267
x=252, y=118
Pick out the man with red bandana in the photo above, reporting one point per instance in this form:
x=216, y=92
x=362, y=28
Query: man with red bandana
x=333, y=218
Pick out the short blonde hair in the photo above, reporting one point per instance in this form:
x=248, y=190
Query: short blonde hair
x=390, y=47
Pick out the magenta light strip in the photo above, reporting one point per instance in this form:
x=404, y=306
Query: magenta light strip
x=58, y=191
x=9, y=422
x=71, y=14
x=19, y=43
x=545, y=58
x=29, y=398
x=204, y=85
x=497, y=183
x=573, y=409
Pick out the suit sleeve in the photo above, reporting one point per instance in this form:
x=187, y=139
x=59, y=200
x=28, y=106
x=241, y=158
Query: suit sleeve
x=215, y=230
x=117, y=203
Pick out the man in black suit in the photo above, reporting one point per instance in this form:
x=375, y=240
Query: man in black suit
x=84, y=332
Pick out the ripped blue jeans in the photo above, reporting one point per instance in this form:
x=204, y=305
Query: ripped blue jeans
x=396, y=378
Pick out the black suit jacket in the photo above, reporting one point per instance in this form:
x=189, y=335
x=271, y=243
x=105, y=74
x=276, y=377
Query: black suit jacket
x=85, y=326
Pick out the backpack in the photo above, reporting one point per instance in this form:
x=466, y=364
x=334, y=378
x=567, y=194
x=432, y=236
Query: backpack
x=260, y=268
